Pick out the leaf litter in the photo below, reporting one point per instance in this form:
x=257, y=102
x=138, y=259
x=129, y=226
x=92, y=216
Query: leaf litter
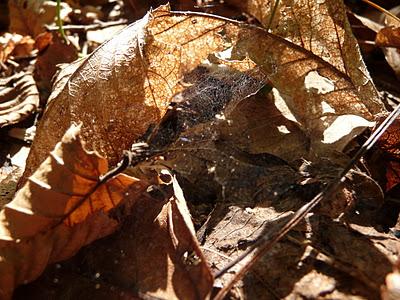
x=254, y=155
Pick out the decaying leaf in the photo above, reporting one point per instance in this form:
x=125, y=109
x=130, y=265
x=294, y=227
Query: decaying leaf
x=19, y=98
x=126, y=84
x=257, y=155
x=389, y=143
x=155, y=255
x=322, y=28
x=65, y=209
x=313, y=261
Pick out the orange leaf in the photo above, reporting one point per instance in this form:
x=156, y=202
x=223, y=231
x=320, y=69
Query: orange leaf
x=61, y=208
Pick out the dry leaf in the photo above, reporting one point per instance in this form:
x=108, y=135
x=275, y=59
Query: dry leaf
x=389, y=143
x=138, y=71
x=65, y=209
x=322, y=28
x=15, y=45
x=56, y=52
x=388, y=37
x=19, y=98
x=28, y=17
x=313, y=261
x=155, y=255
x=257, y=126
x=125, y=85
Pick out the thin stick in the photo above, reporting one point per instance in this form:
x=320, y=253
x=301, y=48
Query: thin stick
x=272, y=14
x=96, y=26
x=380, y=8
x=266, y=242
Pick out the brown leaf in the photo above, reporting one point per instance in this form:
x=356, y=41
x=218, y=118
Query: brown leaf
x=318, y=96
x=154, y=255
x=64, y=207
x=15, y=45
x=257, y=126
x=28, y=17
x=389, y=143
x=138, y=71
x=19, y=98
x=388, y=37
x=126, y=84
x=323, y=29
x=56, y=52
x=313, y=261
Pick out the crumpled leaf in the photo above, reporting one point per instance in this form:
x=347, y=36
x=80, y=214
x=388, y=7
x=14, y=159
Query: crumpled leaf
x=125, y=85
x=15, y=45
x=64, y=207
x=389, y=143
x=117, y=99
x=322, y=28
x=19, y=98
x=155, y=255
x=388, y=37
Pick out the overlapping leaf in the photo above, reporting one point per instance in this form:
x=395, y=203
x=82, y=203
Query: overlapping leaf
x=127, y=83
x=155, y=255
x=65, y=208
x=19, y=98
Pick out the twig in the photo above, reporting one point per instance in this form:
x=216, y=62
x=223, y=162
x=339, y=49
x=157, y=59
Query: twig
x=96, y=26
x=272, y=14
x=374, y=5
x=266, y=242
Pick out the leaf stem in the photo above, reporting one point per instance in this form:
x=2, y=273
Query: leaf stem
x=60, y=23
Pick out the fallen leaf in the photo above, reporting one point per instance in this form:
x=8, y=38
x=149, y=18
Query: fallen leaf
x=126, y=84
x=55, y=53
x=314, y=260
x=152, y=55
x=65, y=207
x=388, y=37
x=389, y=143
x=155, y=255
x=28, y=17
x=246, y=127
x=19, y=98
x=15, y=46
x=322, y=28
